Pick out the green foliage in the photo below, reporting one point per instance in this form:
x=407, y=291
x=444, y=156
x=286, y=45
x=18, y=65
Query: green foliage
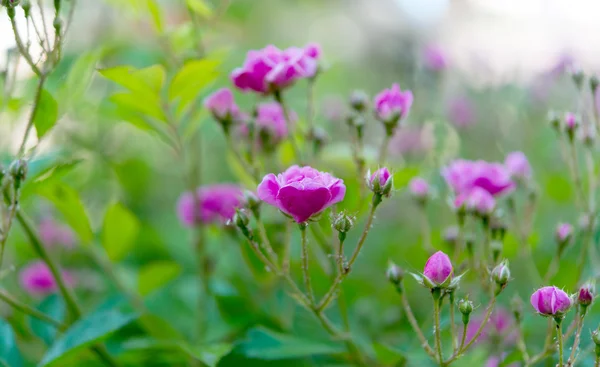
x=119, y=231
x=46, y=114
x=9, y=352
x=54, y=307
x=155, y=275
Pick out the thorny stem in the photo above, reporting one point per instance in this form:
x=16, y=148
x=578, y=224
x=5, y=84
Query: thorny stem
x=573, y=356
x=266, y=244
x=339, y=257
x=285, y=264
x=415, y=325
x=437, y=301
x=559, y=336
x=292, y=131
x=305, y=263
x=452, y=323
x=340, y=278
x=18, y=305
x=464, y=348
x=463, y=338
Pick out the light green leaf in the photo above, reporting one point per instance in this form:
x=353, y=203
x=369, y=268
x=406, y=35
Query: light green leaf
x=148, y=81
x=84, y=332
x=265, y=344
x=54, y=307
x=46, y=114
x=136, y=104
x=200, y=7
x=239, y=171
x=9, y=352
x=156, y=14
x=119, y=231
x=191, y=79
x=155, y=275
x=79, y=78
x=388, y=355
x=68, y=203
x=210, y=354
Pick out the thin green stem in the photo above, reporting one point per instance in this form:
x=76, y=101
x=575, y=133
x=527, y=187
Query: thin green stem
x=305, y=264
x=266, y=244
x=573, y=356
x=384, y=148
x=436, y=326
x=559, y=336
x=23, y=50
x=34, y=111
x=285, y=263
x=415, y=325
x=340, y=278
x=453, y=324
x=18, y=305
x=463, y=338
x=339, y=257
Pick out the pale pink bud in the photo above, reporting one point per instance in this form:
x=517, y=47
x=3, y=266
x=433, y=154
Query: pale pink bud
x=438, y=268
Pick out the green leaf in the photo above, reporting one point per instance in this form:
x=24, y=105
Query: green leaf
x=403, y=176
x=265, y=344
x=119, y=231
x=141, y=82
x=68, y=203
x=156, y=14
x=79, y=78
x=9, y=352
x=387, y=355
x=54, y=307
x=191, y=79
x=135, y=104
x=46, y=114
x=155, y=275
x=239, y=171
x=210, y=354
x=87, y=331
x=200, y=7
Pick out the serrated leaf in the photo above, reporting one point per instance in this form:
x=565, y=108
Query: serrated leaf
x=149, y=106
x=9, y=352
x=155, y=275
x=209, y=354
x=54, y=307
x=67, y=202
x=141, y=82
x=265, y=344
x=191, y=79
x=85, y=332
x=119, y=231
x=46, y=113
x=200, y=7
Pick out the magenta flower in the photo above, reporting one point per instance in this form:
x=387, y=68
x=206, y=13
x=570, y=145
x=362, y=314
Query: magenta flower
x=411, y=140
x=222, y=105
x=438, y=268
x=53, y=233
x=434, y=58
x=564, y=231
x=518, y=166
x=301, y=192
x=383, y=174
x=463, y=176
x=586, y=293
x=419, y=188
x=461, y=112
x=477, y=200
x=550, y=301
x=215, y=204
x=37, y=279
x=271, y=69
x=392, y=104
x=270, y=119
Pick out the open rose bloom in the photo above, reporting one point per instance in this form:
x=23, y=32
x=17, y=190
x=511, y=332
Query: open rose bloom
x=393, y=104
x=301, y=192
x=551, y=301
x=214, y=204
x=271, y=69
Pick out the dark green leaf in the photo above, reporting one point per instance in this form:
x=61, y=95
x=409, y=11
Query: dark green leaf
x=46, y=114
x=85, y=332
x=9, y=352
x=210, y=354
x=119, y=231
x=265, y=344
x=54, y=307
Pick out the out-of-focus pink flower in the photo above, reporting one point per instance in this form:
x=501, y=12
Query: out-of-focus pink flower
x=222, y=105
x=392, y=104
x=53, y=233
x=215, y=203
x=36, y=279
x=461, y=112
x=550, y=301
x=476, y=200
x=271, y=69
x=301, y=192
x=463, y=176
x=571, y=121
x=270, y=123
x=518, y=165
x=434, y=58
x=564, y=231
x=333, y=108
x=419, y=188
x=500, y=323
x=411, y=140
x=438, y=268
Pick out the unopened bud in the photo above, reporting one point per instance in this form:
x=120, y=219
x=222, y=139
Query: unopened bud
x=57, y=4
x=563, y=235
x=252, y=202
x=57, y=24
x=501, y=276
x=359, y=101
x=571, y=123
x=498, y=228
x=554, y=120
x=26, y=5
x=319, y=137
x=594, y=83
x=577, y=75
x=596, y=340
x=343, y=222
x=585, y=295
x=465, y=306
x=18, y=170
x=381, y=182
x=241, y=218
x=394, y=274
